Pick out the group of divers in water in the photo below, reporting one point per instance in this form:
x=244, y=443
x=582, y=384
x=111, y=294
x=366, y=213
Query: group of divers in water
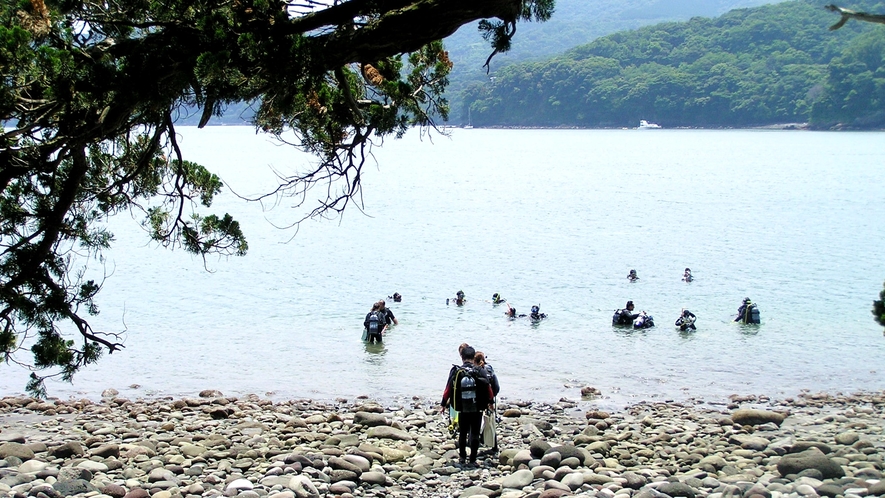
x=381, y=317
x=747, y=312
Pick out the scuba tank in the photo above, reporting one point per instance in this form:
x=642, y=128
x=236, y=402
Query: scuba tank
x=643, y=321
x=752, y=314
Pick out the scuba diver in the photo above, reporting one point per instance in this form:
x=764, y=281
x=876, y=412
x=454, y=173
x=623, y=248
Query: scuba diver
x=375, y=324
x=632, y=276
x=643, y=321
x=459, y=298
x=536, y=314
x=389, y=319
x=625, y=316
x=748, y=312
x=686, y=277
x=511, y=312
x=497, y=299
x=686, y=320
x=396, y=297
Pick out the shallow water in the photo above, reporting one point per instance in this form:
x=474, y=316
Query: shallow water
x=793, y=220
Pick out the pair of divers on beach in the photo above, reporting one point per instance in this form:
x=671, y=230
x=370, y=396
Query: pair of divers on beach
x=469, y=397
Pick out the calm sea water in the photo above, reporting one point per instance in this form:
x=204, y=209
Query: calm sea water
x=556, y=218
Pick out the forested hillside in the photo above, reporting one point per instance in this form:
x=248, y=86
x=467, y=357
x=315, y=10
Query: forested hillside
x=574, y=23
x=766, y=65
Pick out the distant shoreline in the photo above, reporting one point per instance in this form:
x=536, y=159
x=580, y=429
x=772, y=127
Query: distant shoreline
x=777, y=126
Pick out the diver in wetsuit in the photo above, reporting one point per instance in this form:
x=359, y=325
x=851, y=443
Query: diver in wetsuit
x=536, y=314
x=625, y=316
x=511, y=312
x=459, y=298
x=686, y=320
x=748, y=312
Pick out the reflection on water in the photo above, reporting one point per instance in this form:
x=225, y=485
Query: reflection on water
x=687, y=335
x=375, y=352
x=749, y=329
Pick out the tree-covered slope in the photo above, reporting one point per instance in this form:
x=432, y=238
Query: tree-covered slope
x=765, y=65
x=574, y=23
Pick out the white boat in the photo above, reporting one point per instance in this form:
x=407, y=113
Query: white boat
x=645, y=125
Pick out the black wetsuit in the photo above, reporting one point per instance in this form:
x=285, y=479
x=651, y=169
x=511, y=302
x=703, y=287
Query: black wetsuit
x=685, y=324
x=625, y=317
x=374, y=337
x=745, y=313
x=470, y=423
x=388, y=316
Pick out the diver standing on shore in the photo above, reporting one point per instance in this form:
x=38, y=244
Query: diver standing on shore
x=469, y=391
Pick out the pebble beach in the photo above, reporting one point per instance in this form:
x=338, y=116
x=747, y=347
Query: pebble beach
x=211, y=445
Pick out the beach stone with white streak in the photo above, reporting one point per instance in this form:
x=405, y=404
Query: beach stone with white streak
x=361, y=462
x=593, y=478
x=302, y=486
x=371, y=478
x=806, y=490
x=746, y=441
x=384, y=432
x=92, y=466
x=573, y=480
x=878, y=488
x=518, y=480
x=522, y=457
x=315, y=419
x=32, y=466
x=239, y=484
x=341, y=487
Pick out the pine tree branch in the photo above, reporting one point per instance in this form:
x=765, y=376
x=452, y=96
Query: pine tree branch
x=850, y=14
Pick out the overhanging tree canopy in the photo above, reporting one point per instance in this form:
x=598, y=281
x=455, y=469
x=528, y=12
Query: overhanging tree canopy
x=91, y=93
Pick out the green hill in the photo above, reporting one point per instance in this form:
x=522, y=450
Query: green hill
x=575, y=22
x=750, y=67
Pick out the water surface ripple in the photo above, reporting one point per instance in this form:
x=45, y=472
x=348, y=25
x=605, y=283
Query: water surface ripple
x=794, y=220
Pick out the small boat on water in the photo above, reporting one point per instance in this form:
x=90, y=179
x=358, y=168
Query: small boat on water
x=645, y=125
